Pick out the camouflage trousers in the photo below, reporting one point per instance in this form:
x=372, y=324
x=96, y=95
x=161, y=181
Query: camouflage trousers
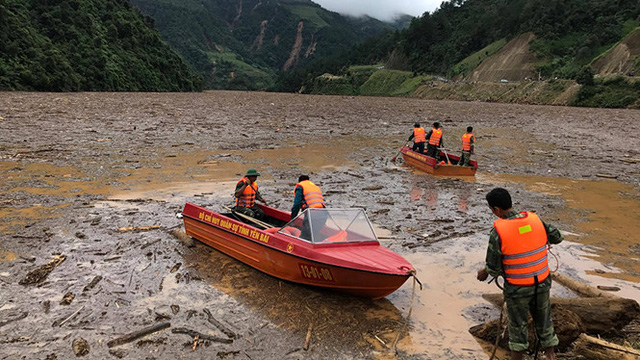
x=465, y=158
x=518, y=310
x=255, y=212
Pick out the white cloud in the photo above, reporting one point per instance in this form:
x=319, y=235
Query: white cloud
x=380, y=9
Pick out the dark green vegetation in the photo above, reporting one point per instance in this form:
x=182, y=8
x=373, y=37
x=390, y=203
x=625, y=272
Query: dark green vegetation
x=453, y=40
x=86, y=45
x=245, y=44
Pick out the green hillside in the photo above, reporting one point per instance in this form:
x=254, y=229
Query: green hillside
x=245, y=44
x=86, y=45
x=567, y=37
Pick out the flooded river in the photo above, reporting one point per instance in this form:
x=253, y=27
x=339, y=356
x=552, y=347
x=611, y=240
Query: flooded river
x=78, y=170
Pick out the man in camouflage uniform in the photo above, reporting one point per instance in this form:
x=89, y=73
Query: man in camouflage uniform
x=521, y=300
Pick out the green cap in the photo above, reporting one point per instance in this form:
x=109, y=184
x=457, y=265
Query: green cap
x=252, y=172
x=416, y=125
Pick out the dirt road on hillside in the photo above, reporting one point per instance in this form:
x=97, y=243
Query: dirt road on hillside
x=93, y=183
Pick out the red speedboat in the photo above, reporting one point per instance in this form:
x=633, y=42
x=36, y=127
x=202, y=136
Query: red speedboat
x=448, y=166
x=335, y=249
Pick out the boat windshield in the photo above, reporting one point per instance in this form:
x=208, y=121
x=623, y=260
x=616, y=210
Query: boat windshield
x=321, y=226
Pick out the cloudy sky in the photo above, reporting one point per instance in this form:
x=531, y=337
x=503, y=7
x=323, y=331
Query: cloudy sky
x=380, y=9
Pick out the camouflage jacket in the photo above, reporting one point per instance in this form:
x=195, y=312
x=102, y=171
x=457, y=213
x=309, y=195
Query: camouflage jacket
x=493, y=263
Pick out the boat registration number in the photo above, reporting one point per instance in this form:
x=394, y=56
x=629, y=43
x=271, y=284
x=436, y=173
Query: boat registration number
x=316, y=272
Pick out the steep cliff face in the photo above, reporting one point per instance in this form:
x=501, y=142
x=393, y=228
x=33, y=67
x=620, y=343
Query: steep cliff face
x=514, y=62
x=258, y=38
x=623, y=58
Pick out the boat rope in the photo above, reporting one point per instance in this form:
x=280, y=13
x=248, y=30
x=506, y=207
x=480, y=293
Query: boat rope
x=394, y=345
x=556, y=257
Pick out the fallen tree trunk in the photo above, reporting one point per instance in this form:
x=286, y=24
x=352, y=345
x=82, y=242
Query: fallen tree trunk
x=580, y=288
x=567, y=326
x=597, y=349
x=599, y=315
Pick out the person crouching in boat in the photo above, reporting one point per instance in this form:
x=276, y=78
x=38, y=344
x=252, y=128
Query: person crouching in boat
x=418, y=137
x=468, y=143
x=308, y=196
x=246, y=195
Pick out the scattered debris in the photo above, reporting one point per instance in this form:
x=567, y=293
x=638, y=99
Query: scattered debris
x=175, y=309
x=608, y=288
x=175, y=267
x=80, y=347
x=201, y=336
x=372, y=188
x=307, y=339
x=608, y=176
x=64, y=320
x=139, y=228
x=40, y=273
x=630, y=161
x=67, y=298
x=149, y=244
x=92, y=284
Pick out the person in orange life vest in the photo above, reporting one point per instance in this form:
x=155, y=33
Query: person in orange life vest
x=308, y=195
x=419, y=138
x=468, y=144
x=246, y=195
x=518, y=251
x=435, y=141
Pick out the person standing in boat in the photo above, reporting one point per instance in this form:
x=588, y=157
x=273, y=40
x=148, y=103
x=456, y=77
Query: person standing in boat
x=518, y=251
x=246, y=195
x=468, y=144
x=435, y=141
x=308, y=196
x=419, y=138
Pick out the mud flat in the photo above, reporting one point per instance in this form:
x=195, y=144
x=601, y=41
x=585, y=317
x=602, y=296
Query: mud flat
x=98, y=179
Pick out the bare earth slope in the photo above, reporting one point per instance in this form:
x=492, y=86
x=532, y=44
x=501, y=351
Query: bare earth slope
x=514, y=62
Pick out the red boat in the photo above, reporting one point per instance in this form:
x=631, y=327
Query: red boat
x=429, y=164
x=335, y=249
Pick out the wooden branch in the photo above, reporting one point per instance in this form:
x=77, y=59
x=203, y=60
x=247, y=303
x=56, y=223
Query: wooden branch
x=138, y=334
x=597, y=349
x=307, y=340
x=200, y=335
x=225, y=330
x=63, y=321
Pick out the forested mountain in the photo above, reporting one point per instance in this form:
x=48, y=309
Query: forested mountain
x=244, y=44
x=464, y=39
x=86, y=45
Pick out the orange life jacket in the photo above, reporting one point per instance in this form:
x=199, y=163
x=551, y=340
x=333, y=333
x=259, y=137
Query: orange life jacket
x=436, y=135
x=466, y=141
x=312, y=195
x=419, y=135
x=248, y=197
x=524, y=249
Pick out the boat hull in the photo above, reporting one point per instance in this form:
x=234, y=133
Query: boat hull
x=280, y=257
x=428, y=164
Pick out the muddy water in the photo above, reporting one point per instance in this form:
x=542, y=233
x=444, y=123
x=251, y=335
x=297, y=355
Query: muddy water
x=69, y=193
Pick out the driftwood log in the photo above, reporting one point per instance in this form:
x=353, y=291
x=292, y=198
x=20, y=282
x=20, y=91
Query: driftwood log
x=567, y=326
x=581, y=288
x=597, y=349
x=599, y=315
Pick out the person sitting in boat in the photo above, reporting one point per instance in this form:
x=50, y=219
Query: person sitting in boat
x=419, y=138
x=246, y=195
x=435, y=141
x=468, y=143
